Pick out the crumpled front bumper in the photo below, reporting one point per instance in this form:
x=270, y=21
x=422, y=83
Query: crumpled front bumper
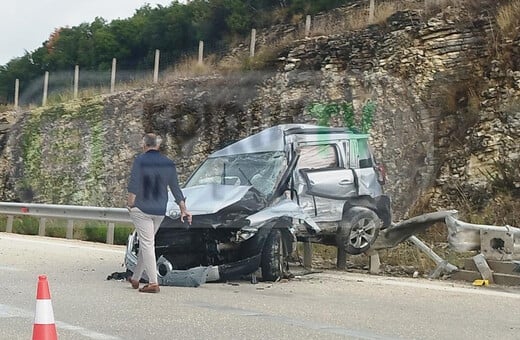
x=193, y=277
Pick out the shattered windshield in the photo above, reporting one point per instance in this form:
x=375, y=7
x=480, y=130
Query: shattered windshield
x=260, y=170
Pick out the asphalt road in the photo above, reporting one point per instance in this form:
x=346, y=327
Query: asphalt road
x=327, y=305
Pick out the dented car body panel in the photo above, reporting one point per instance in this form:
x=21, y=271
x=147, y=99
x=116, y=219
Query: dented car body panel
x=254, y=198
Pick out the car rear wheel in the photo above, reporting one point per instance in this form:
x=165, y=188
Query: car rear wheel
x=274, y=257
x=358, y=230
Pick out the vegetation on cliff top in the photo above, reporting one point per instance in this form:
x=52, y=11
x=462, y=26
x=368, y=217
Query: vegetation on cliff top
x=176, y=29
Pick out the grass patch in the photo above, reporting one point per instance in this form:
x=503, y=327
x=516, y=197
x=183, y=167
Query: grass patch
x=63, y=96
x=508, y=19
x=5, y=108
x=3, y=223
x=355, y=19
x=383, y=11
x=505, y=179
x=96, y=232
x=190, y=66
x=56, y=231
x=92, y=231
x=26, y=225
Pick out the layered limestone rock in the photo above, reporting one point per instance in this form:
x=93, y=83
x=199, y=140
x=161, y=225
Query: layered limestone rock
x=447, y=108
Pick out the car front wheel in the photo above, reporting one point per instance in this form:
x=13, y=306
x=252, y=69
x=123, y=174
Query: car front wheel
x=274, y=257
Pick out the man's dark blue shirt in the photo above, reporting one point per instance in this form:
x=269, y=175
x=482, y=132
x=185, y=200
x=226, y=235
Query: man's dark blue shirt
x=151, y=175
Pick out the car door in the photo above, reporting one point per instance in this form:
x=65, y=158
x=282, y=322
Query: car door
x=323, y=181
x=363, y=165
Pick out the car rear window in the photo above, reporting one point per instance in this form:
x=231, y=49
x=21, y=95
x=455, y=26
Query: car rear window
x=364, y=154
x=318, y=157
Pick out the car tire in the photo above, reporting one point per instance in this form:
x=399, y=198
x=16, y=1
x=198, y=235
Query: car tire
x=274, y=257
x=358, y=230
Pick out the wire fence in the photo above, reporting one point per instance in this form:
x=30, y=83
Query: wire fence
x=60, y=86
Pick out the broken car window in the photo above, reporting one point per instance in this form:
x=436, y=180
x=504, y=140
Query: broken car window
x=261, y=170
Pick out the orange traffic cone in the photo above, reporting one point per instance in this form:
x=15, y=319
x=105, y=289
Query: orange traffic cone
x=44, y=327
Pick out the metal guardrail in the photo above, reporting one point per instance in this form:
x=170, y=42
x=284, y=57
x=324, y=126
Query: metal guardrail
x=69, y=212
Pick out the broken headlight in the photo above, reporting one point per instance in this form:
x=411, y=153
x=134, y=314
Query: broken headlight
x=243, y=235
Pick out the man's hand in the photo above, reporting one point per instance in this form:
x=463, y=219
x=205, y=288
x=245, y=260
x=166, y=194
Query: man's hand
x=130, y=201
x=187, y=214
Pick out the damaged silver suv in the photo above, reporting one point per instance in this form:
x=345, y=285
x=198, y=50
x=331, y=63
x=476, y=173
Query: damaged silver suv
x=252, y=200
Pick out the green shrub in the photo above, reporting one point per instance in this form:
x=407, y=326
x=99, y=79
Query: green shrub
x=325, y=112
x=56, y=231
x=26, y=225
x=95, y=232
x=121, y=234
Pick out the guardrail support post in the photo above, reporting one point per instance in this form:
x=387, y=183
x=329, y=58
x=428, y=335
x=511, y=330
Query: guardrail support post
x=110, y=233
x=374, y=264
x=341, y=258
x=41, y=228
x=431, y=254
x=9, y=227
x=307, y=254
x=70, y=229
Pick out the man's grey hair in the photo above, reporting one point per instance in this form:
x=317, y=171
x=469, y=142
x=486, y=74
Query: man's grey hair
x=152, y=140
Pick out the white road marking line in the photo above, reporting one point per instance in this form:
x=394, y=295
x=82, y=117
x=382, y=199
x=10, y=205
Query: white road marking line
x=10, y=269
x=14, y=312
x=63, y=243
x=442, y=286
x=300, y=323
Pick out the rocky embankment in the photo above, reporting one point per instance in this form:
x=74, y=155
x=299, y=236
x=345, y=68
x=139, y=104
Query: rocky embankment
x=448, y=107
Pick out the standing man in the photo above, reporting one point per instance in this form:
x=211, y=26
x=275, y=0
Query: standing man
x=151, y=177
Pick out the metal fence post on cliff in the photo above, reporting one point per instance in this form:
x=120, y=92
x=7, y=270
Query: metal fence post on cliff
x=156, y=67
x=201, y=51
x=76, y=81
x=16, y=92
x=45, y=88
x=113, y=76
x=307, y=26
x=371, y=13
x=253, y=42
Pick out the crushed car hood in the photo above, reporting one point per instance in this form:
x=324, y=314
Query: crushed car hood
x=211, y=198
x=286, y=208
x=207, y=199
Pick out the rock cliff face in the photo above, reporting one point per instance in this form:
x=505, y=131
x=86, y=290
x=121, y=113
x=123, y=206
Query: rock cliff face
x=448, y=107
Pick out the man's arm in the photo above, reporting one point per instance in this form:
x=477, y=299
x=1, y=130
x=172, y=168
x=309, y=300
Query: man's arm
x=173, y=183
x=133, y=184
x=179, y=196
